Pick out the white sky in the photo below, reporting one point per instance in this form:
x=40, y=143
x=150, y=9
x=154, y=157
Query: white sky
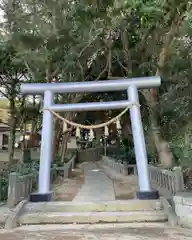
x=1, y=14
x=1, y=20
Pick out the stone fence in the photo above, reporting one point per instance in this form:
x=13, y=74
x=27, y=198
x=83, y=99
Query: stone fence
x=167, y=182
x=20, y=186
x=119, y=167
x=66, y=170
x=183, y=208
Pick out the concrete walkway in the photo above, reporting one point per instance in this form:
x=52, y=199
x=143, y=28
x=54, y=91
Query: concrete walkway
x=97, y=186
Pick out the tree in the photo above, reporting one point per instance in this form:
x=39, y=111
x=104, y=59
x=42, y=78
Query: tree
x=55, y=44
x=12, y=72
x=88, y=40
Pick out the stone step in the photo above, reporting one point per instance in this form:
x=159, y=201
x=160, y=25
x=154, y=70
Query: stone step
x=91, y=217
x=98, y=206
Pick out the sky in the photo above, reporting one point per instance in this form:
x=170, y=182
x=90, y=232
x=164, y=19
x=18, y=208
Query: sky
x=1, y=19
x=1, y=13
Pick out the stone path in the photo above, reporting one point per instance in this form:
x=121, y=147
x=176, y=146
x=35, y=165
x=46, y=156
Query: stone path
x=132, y=231
x=97, y=185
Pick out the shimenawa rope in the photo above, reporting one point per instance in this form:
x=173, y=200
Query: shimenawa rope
x=89, y=127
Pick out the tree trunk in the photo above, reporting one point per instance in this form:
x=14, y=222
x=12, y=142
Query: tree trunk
x=64, y=145
x=56, y=137
x=59, y=136
x=34, y=121
x=162, y=146
x=12, y=135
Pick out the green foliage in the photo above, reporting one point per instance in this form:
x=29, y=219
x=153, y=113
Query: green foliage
x=71, y=41
x=124, y=153
x=182, y=148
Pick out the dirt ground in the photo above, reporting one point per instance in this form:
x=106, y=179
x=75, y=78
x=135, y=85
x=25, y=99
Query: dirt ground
x=124, y=190
x=66, y=189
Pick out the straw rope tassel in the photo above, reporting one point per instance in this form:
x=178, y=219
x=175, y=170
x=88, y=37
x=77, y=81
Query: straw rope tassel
x=64, y=126
x=118, y=124
x=106, y=131
x=78, y=133
x=91, y=134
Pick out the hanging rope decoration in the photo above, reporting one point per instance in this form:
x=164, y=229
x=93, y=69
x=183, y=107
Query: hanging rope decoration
x=118, y=124
x=78, y=132
x=65, y=128
x=79, y=126
x=106, y=131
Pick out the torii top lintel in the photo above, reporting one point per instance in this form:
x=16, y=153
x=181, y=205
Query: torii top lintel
x=91, y=86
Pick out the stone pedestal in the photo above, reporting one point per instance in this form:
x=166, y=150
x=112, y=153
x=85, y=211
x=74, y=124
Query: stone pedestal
x=183, y=208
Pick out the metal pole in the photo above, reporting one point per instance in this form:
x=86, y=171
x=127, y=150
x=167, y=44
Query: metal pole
x=44, y=193
x=145, y=191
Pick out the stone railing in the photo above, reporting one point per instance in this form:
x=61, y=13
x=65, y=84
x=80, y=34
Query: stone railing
x=122, y=168
x=66, y=170
x=167, y=182
x=132, y=169
x=183, y=206
x=116, y=166
x=20, y=186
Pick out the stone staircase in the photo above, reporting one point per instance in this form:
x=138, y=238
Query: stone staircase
x=92, y=212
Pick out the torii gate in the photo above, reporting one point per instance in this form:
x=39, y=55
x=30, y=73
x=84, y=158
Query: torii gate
x=131, y=85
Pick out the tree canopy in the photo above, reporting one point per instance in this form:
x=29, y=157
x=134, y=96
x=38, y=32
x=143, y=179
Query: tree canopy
x=87, y=40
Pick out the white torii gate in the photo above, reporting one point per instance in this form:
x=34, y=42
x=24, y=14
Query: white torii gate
x=131, y=85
